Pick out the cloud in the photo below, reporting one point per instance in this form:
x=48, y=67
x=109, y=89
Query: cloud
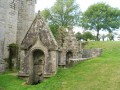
x=84, y=4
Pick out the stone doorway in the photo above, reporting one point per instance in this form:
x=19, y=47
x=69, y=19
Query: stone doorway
x=69, y=55
x=38, y=66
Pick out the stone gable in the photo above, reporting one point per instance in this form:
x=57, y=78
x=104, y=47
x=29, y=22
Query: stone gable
x=39, y=28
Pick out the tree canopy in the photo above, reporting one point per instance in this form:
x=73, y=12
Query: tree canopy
x=85, y=36
x=110, y=36
x=63, y=13
x=101, y=16
x=78, y=36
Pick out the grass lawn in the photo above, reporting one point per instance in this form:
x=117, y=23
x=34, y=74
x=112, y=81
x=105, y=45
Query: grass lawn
x=102, y=73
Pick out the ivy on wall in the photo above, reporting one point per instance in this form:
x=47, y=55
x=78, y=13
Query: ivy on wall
x=13, y=54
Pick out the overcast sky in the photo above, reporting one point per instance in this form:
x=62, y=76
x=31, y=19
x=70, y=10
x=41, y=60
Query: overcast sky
x=84, y=4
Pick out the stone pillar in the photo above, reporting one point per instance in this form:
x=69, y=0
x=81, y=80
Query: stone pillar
x=54, y=61
x=63, y=58
x=22, y=56
x=26, y=14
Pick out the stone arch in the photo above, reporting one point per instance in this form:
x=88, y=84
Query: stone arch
x=69, y=55
x=38, y=58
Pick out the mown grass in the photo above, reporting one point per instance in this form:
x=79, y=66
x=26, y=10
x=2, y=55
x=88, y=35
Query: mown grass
x=102, y=73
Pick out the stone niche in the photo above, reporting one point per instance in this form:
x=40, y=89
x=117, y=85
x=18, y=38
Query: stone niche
x=38, y=53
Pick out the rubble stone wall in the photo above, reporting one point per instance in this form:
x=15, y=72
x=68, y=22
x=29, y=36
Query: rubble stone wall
x=87, y=53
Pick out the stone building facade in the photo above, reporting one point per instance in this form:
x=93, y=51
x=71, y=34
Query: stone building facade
x=16, y=17
x=39, y=57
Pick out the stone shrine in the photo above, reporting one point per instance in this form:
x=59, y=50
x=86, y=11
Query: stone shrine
x=39, y=56
x=69, y=48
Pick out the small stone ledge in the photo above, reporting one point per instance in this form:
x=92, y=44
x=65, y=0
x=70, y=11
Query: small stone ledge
x=75, y=61
x=22, y=74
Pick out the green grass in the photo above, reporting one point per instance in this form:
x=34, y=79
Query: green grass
x=102, y=73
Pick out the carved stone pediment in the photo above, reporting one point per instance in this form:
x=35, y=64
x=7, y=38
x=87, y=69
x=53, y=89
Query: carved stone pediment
x=39, y=28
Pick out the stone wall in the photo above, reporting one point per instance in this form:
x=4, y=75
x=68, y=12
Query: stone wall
x=11, y=25
x=16, y=17
x=3, y=19
x=87, y=53
x=8, y=27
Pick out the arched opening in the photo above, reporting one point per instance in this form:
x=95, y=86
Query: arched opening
x=69, y=55
x=38, y=64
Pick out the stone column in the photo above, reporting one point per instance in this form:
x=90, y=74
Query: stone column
x=54, y=61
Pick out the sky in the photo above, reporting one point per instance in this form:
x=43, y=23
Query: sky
x=84, y=4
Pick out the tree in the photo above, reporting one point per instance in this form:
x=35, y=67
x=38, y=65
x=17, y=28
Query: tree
x=110, y=36
x=88, y=35
x=103, y=37
x=101, y=16
x=63, y=13
x=46, y=14
x=61, y=32
x=78, y=36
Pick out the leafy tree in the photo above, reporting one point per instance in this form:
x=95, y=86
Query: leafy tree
x=63, y=13
x=54, y=29
x=78, y=36
x=46, y=14
x=61, y=32
x=101, y=16
x=110, y=36
x=103, y=37
x=88, y=35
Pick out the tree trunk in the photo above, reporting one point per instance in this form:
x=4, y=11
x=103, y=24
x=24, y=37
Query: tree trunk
x=97, y=37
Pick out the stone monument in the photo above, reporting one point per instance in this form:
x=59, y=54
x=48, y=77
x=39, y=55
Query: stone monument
x=39, y=52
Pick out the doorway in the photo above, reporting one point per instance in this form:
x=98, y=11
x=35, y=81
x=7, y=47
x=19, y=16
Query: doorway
x=38, y=65
x=69, y=55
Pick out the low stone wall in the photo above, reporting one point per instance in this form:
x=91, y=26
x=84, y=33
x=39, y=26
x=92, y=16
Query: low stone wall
x=75, y=61
x=87, y=53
